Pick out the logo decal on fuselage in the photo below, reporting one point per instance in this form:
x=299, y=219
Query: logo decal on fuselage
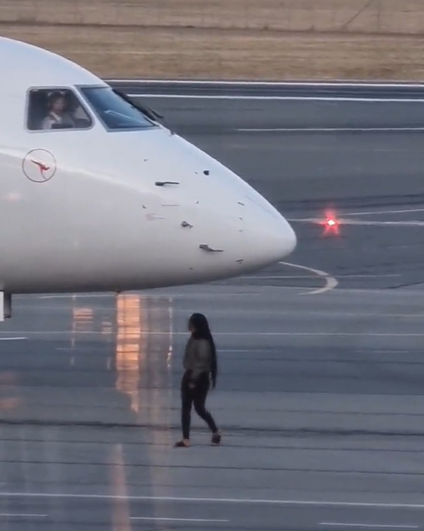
x=39, y=165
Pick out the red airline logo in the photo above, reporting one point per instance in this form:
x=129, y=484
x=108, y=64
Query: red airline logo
x=39, y=166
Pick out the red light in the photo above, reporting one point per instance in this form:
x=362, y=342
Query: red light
x=331, y=223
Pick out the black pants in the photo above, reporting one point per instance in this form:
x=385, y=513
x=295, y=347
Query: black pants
x=197, y=397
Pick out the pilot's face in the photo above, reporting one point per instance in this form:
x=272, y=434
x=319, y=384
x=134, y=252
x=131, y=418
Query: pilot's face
x=58, y=105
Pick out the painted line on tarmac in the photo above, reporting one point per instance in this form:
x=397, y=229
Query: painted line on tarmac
x=292, y=277
x=385, y=212
x=77, y=296
x=379, y=526
x=363, y=84
x=334, y=130
x=189, y=499
x=22, y=515
x=330, y=281
x=412, y=223
x=65, y=333
x=274, y=98
x=186, y=520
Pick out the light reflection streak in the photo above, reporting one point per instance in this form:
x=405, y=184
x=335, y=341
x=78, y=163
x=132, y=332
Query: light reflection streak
x=120, y=505
x=129, y=345
x=160, y=398
x=82, y=320
x=129, y=340
x=144, y=355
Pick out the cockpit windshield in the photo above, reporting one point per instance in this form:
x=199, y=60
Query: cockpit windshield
x=114, y=111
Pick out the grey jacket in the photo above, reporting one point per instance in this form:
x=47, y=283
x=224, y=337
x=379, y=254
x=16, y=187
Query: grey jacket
x=198, y=357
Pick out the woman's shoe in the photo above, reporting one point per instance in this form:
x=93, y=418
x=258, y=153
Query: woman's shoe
x=185, y=443
x=216, y=439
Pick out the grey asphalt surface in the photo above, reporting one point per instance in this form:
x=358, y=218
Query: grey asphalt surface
x=320, y=394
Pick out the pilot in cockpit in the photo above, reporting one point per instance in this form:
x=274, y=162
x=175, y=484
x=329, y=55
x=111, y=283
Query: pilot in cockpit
x=58, y=115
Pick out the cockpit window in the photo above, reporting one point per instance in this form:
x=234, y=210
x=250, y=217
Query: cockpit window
x=114, y=110
x=56, y=109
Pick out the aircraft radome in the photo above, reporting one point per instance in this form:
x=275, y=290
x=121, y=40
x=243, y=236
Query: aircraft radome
x=96, y=195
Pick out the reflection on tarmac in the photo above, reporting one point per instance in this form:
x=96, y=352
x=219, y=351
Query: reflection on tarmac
x=76, y=409
x=130, y=346
x=141, y=349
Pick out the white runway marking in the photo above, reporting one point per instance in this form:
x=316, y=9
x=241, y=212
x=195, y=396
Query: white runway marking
x=334, y=129
x=308, y=277
x=76, y=296
x=73, y=349
x=413, y=223
x=243, y=501
x=340, y=84
x=243, y=334
x=277, y=277
x=12, y=338
x=330, y=282
x=381, y=526
x=22, y=515
x=272, y=98
x=385, y=212
x=196, y=520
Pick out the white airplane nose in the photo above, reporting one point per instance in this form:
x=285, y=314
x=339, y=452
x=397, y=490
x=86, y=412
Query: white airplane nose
x=268, y=236
x=280, y=240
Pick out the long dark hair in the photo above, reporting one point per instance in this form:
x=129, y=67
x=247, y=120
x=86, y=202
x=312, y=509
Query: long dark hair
x=202, y=331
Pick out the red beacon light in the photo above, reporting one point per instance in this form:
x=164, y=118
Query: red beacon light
x=331, y=224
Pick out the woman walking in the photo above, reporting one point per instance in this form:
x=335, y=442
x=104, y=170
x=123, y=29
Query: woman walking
x=201, y=367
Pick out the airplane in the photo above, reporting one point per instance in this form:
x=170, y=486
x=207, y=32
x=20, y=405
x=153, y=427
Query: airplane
x=96, y=195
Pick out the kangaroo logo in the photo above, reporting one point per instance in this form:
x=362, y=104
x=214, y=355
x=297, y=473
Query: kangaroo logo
x=39, y=166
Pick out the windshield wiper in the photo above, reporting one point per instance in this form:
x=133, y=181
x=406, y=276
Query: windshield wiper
x=147, y=111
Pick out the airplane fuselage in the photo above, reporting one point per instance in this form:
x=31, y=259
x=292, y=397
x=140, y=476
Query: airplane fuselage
x=103, y=208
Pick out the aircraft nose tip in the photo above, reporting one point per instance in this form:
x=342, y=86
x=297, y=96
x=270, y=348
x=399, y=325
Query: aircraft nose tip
x=278, y=241
x=289, y=239
x=271, y=240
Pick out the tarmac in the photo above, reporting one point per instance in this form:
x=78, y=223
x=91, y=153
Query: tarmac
x=320, y=390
